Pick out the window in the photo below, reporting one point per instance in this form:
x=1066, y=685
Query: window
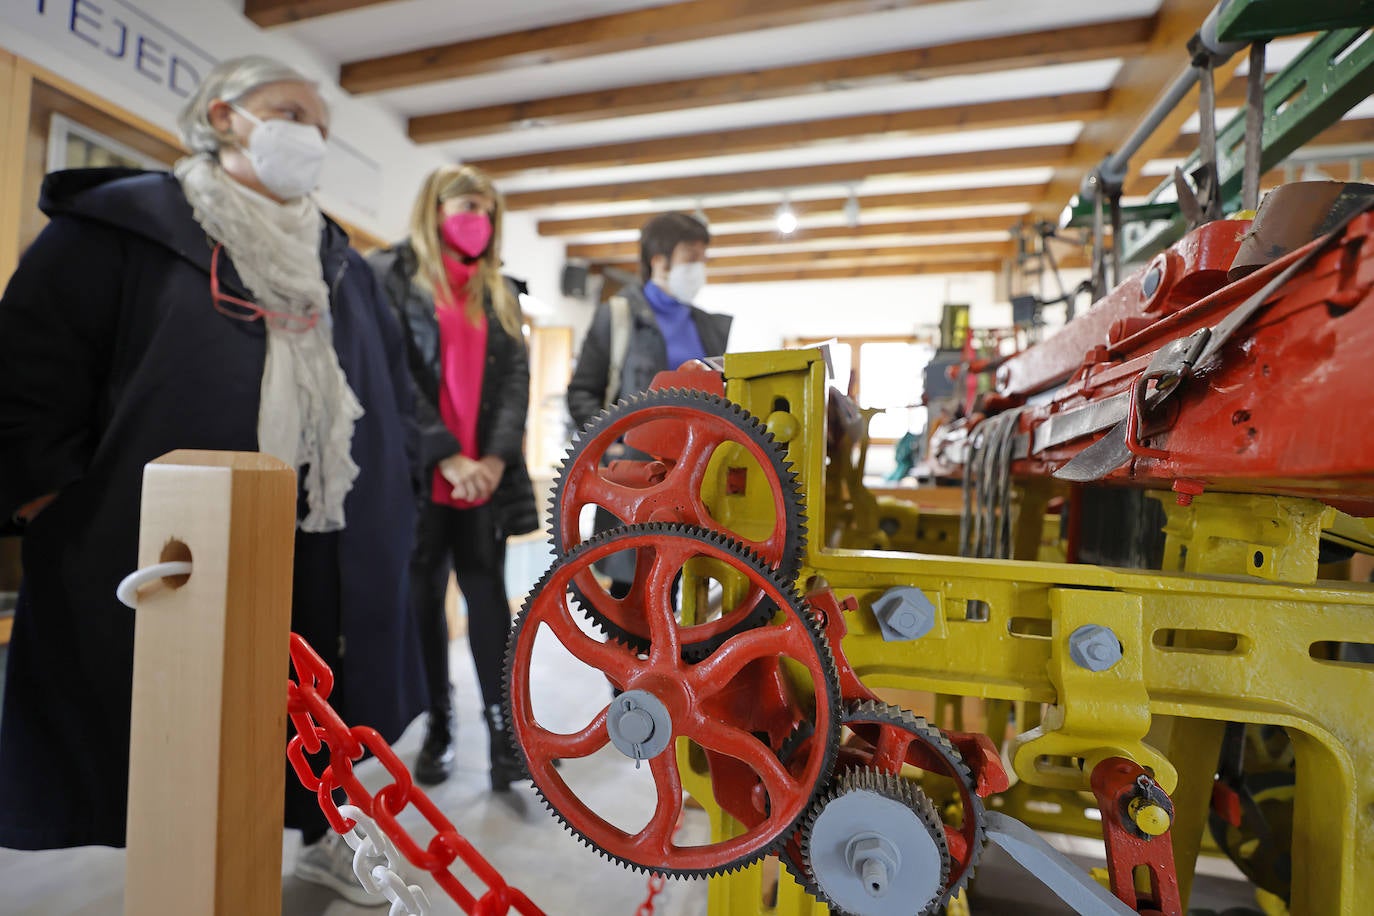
x=884, y=373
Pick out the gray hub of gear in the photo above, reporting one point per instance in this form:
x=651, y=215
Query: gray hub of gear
x=639, y=725
x=876, y=847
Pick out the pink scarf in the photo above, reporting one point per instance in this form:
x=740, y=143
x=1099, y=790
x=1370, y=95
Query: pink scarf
x=462, y=363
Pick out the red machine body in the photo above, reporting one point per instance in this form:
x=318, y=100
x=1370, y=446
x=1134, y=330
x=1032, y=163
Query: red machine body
x=1282, y=408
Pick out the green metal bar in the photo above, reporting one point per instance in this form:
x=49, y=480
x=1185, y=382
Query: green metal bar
x=1079, y=213
x=1333, y=74
x=1261, y=20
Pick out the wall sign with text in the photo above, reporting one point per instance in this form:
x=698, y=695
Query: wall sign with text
x=135, y=51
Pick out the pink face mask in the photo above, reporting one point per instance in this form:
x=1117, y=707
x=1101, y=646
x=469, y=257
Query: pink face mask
x=467, y=232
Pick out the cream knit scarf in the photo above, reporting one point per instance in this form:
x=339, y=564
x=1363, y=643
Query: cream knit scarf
x=307, y=411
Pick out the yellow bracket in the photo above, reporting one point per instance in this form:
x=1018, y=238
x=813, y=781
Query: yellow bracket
x=1098, y=714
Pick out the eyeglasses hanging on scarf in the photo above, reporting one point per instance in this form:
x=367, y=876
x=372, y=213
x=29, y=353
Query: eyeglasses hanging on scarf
x=243, y=310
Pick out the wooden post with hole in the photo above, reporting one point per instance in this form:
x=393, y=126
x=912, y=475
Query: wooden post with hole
x=208, y=743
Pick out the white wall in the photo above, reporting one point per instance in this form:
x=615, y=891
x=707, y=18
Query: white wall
x=767, y=313
x=142, y=54
x=538, y=260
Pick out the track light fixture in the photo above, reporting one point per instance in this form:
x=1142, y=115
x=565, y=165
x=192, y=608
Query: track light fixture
x=786, y=219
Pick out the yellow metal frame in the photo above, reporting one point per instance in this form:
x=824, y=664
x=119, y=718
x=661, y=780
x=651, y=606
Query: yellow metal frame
x=1198, y=651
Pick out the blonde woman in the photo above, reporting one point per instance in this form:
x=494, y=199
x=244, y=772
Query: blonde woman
x=466, y=348
x=212, y=307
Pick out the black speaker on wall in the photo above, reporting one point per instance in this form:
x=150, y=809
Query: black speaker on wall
x=574, y=281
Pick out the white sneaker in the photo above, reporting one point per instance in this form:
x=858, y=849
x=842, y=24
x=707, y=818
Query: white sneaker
x=330, y=863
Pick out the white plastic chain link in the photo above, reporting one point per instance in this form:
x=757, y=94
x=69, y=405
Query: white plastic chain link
x=375, y=862
x=127, y=590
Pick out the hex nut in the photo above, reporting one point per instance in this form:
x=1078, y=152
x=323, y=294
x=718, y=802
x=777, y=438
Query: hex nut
x=903, y=613
x=1094, y=647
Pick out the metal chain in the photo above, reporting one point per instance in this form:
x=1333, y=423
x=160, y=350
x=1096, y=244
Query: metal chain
x=318, y=726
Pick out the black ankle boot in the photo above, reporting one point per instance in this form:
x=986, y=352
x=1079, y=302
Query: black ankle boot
x=435, y=762
x=506, y=764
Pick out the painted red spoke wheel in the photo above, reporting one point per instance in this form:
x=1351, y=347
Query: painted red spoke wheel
x=694, y=458
x=735, y=708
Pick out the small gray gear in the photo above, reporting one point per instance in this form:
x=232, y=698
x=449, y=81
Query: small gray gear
x=675, y=405
x=860, y=716
x=876, y=847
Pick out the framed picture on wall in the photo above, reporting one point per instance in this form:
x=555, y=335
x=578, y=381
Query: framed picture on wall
x=72, y=145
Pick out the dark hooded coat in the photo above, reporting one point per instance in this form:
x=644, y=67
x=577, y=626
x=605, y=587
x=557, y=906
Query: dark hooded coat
x=111, y=354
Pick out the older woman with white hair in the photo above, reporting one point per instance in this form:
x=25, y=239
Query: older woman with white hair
x=214, y=307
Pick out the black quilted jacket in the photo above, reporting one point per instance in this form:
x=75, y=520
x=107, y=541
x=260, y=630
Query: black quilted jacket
x=505, y=387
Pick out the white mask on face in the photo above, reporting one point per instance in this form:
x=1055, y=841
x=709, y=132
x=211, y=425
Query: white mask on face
x=286, y=156
x=685, y=281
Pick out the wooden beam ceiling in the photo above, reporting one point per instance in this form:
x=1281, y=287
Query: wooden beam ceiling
x=906, y=230
x=268, y=13
x=1033, y=49
x=655, y=27
x=783, y=179
x=785, y=274
x=835, y=256
x=1053, y=109
x=831, y=206
x=1142, y=80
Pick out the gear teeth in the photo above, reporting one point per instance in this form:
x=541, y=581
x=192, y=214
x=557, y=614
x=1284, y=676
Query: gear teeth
x=585, y=452
x=887, y=785
x=878, y=713
x=827, y=693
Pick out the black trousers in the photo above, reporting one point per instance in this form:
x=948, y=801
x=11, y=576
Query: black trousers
x=471, y=544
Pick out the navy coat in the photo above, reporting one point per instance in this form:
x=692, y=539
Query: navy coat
x=111, y=354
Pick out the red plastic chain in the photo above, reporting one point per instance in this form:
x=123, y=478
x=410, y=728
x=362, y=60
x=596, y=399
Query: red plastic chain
x=318, y=725
x=656, y=885
x=656, y=881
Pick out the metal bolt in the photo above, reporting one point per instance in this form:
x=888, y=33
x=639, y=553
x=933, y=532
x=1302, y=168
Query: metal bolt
x=1094, y=647
x=875, y=860
x=1186, y=489
x=904, y=612
x=1150, y=282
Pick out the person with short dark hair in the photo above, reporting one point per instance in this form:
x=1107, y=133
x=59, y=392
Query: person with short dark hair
x=666, y=329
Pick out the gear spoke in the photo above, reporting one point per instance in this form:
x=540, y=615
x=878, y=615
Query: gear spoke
x=890, y=752
x=749, y=750
x=606, y=657
x=664, y=636
x=682, y=431
x=560, y=746
x=714, y=673
x=655, y=841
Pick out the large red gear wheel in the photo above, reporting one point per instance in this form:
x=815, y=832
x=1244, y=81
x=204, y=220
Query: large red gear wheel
x=738, y=705
x=678, y=436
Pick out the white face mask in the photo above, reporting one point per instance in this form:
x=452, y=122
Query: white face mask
x=685, y=281
x=286, y=156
